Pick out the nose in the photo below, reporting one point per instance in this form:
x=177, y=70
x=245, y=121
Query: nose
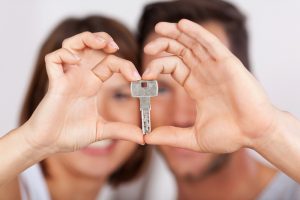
x=184, y=110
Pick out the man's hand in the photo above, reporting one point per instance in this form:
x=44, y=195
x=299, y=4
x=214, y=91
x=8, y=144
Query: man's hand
x=232, y=109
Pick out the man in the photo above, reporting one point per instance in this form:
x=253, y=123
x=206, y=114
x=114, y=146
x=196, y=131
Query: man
x=184, y=103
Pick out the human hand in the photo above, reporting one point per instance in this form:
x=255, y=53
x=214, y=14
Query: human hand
x=232, y=109
x=67, y=118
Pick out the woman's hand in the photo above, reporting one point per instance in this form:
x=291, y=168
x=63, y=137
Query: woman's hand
x=67, y=118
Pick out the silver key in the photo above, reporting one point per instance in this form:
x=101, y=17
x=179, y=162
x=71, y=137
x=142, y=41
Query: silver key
x=144, y=90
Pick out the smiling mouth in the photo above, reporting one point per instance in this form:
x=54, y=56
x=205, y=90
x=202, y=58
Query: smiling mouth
x=100, y=148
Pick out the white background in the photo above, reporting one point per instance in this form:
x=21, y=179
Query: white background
x=273, y=25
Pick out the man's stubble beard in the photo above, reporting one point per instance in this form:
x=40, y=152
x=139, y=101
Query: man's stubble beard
x=214, y=166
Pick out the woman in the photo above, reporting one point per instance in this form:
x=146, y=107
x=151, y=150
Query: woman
x=83, y=173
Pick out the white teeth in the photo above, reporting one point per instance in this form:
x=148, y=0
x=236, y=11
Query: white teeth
x=101, y=144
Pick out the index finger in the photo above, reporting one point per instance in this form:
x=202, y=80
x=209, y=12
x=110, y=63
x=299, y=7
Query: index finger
x=98, y=41
x=212, y=44
x=112, y=64
x=189, y=33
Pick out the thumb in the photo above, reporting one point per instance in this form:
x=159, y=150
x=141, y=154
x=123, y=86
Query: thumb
x=173, y=136
x=118, y=130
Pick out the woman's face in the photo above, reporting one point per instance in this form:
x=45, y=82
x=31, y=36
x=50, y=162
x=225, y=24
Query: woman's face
x=101, y=159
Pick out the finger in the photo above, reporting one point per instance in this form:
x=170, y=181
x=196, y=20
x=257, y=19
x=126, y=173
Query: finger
x=55, y=60
x=162, y=44
x=112, y=64
x=88, y=39
x=171, y=30
x=172, y=136
x=211, y=43
x=118, y=130
x=111, y=46
x=167, y=65
x=171, y=46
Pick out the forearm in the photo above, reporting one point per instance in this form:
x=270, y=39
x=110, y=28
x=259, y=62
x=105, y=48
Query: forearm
x=282, y=147
x=16, y=154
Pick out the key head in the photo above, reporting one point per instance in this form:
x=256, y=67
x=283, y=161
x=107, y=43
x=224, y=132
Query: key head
x=144, y=88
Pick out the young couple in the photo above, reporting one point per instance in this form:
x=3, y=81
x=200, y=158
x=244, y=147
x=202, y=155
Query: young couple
x=79, y=127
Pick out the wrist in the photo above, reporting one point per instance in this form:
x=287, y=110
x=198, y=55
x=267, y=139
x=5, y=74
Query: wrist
x=17, y=154
x=281, y=145
x=271, y=133
x=32, y=150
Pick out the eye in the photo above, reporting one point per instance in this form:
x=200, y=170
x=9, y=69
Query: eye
x=163, y=90
x=121, y=96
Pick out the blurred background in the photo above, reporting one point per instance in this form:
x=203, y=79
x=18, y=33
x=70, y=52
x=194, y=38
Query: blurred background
x=273, y=26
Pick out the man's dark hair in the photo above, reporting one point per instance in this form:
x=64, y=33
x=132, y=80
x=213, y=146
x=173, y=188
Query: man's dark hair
x=200, y=11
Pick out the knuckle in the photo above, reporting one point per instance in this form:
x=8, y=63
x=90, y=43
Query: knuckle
x=49, y=56
x=87, y=34
x=104, y=35
x=183, y=52
x=110, y=57
x=181, y=21
x=176, y=59
x=128, y=64
x=65, y=42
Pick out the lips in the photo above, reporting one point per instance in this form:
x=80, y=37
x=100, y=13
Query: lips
x=100, y=148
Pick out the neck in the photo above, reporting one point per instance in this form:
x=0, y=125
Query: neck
x=65, y=184
x=241, y=178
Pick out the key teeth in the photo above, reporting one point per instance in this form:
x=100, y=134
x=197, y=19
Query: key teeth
x=147, y=131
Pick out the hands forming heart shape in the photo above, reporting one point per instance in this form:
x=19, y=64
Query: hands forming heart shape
x=227, y=96
x=67, y=119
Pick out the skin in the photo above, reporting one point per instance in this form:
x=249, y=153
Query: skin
x=175, y=107
x=200, y=63
x=233, y=111
x=68, y=171
x=72, y=107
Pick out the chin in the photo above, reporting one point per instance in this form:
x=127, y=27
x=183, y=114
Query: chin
x=98, y=160
x=186, y=164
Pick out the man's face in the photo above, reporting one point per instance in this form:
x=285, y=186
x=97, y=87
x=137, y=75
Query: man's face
x=174, y=107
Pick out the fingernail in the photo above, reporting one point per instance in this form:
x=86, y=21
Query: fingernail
x=113, y=45
x=137, y=75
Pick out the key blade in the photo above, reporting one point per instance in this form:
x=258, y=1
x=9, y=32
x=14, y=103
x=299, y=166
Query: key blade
x=145, y=103
x=146, y=123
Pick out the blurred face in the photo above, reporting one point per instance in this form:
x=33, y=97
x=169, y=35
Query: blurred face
x=174, y=107
x=102, y=158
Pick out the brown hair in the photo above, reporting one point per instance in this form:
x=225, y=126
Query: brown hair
x=199, y=11
x=39, y=81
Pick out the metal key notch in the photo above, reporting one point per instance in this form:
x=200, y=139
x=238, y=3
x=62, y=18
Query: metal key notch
x=144, y=90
